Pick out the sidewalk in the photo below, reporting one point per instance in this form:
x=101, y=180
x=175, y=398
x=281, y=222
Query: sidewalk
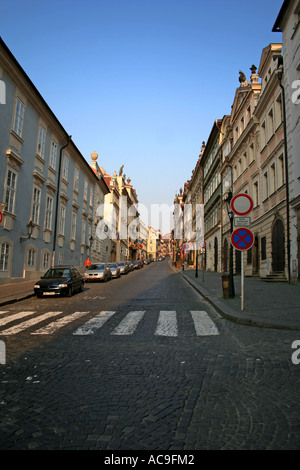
x=266, y=304
x=16, y=289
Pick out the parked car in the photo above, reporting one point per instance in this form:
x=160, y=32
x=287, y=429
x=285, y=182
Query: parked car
x=60, y=280
x=137, y=264
x=147, y=261
x=115, y=270
x=98, y=272
x=124, y=267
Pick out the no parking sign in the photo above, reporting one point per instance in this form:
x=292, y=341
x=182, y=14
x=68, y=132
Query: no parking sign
x=242, y=238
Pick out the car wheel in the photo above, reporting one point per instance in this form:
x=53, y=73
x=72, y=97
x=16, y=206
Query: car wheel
x=70, y=291
x=81, y=287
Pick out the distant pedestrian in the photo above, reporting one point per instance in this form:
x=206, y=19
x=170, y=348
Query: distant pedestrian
x=88, y=262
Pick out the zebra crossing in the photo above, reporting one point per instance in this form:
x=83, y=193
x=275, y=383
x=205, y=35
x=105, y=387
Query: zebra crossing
x=166, y=325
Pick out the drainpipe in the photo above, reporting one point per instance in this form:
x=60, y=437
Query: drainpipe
x=280, y=74
x=57, y=200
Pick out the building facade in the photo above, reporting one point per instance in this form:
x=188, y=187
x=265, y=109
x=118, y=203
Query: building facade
x=288, y=22
x=46, y=186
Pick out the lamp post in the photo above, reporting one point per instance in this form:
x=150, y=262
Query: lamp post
x=230, y=215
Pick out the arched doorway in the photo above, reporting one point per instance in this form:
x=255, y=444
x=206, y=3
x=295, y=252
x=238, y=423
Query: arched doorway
x=278, y=251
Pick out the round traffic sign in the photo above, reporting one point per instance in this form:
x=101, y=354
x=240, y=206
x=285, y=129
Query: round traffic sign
x=242, y=238
x=241, y=204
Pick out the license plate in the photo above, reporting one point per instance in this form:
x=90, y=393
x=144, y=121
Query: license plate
x=49, y=293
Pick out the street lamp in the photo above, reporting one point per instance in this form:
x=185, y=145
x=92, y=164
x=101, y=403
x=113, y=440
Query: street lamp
x=30, y=228
x=230, y=215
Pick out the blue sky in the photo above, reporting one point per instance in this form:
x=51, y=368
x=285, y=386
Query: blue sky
x=139, y=81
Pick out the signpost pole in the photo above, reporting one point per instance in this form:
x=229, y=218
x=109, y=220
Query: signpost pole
x=242, y=280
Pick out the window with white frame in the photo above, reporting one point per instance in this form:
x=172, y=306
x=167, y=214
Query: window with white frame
x=62, y=219
x=91, y=197
x=65, y=172
x=76, y=179
x=46, y=260
x=19, y=117
x=53, y=154
x=83, y=232
x=85, y=192
x=4, y=256
x=36, y=201
x=73, y=225
x=49, y=211
x=41, y=142
x=60, y=258
x=30, y=257
x=10, y=190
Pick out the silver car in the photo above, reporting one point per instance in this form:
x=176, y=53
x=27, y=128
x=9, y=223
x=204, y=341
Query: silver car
x=124, y=267
x=98, y=272
x=115, y=270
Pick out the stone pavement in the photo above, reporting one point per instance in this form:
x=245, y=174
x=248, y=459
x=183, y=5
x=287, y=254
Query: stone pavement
x=266, y=304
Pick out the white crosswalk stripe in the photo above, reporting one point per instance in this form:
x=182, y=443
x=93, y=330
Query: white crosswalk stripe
x=92, y=325
x=167, y=325
x=27, y=324
x=129, y=323
x=54, y=326
x=204, y=326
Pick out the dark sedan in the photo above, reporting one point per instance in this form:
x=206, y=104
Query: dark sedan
x=59, y=280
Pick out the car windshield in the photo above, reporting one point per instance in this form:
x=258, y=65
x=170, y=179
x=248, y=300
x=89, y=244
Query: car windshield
x=96, y=266
x=112, y=265
x=54, y=273
x=121, y=264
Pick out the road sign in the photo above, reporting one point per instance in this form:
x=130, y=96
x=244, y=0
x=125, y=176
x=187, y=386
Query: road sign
x=241, y=221
x=241, y=204
x=242, y=239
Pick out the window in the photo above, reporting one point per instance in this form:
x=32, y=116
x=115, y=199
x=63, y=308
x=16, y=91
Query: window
x=53, y=154
x=272, y=179
x=49, y=210
x=73, y=226
x=265, y=185
x=251, y=153
x=66, y=168
x=270, y=124
x=85, y=193
x=41, y=142
x=83, y=232
x=35, y=215
x=30, y=257
x=278, y=111
x=10, y=191
x=280, y=171
x=263, y=135
x=255, y=194
x=62, y=218
x=46, y=260
x=4, y=256
x=91, y=197
x=76, y=179
x=19, y=117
